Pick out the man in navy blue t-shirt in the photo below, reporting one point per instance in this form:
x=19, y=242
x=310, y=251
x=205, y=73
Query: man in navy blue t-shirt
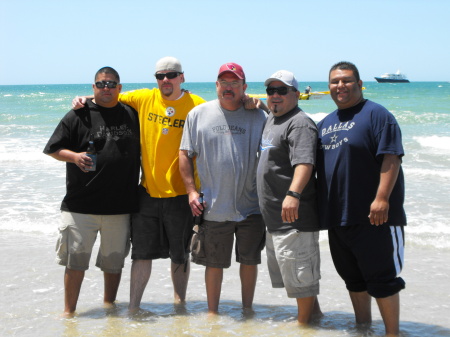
x=361, y=195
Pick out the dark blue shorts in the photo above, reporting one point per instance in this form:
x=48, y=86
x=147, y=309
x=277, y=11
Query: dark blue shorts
x=369, y=258
x=162, y=228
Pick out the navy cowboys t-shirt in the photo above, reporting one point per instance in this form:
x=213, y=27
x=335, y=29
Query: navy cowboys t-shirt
x=351, y=146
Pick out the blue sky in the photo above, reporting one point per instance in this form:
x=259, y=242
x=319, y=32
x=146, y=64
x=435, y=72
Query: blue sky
x=62, y=41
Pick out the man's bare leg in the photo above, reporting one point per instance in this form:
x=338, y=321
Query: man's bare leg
x=213, y=280
x=111, y=282
x=140, y=274
x=317, y=312
x=305, y=309
x=390, y=312
x=72, y=286
x=180, y=278
x=361, y=302
x=248, y=275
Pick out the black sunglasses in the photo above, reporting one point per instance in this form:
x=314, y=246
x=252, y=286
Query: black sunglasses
x=280, y=90
x=170, y=76
x=109, y=84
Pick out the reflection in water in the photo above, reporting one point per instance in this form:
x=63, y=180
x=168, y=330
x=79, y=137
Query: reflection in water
x=192, y=319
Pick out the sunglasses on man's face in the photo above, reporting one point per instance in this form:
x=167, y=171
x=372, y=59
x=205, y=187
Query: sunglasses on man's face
x=109, y=84
x=280, y=90
x=169, y=76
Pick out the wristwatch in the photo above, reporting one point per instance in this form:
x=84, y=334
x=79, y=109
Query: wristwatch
x=293, y=194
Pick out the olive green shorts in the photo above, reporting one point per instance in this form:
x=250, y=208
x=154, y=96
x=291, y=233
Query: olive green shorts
x=212, y=244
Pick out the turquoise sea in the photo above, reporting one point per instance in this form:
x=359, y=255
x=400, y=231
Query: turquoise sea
x=32, y=186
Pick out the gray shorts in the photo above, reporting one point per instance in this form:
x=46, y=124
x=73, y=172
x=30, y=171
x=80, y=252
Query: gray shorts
x=293, y=259
x=77, y=235
x=212, y=244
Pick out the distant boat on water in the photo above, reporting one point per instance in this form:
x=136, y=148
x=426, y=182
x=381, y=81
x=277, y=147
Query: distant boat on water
x=398, y=77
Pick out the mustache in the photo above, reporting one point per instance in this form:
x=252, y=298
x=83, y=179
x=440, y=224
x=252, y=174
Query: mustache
x=228, y=92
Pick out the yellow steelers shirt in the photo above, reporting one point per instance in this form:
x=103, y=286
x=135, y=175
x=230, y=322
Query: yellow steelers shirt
x=161, y=124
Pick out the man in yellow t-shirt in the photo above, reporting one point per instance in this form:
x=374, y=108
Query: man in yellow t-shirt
x=163, y=226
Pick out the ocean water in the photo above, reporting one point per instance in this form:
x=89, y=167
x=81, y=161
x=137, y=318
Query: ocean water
x=33, y=184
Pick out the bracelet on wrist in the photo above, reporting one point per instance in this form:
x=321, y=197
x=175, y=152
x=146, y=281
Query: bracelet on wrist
x=294, y=194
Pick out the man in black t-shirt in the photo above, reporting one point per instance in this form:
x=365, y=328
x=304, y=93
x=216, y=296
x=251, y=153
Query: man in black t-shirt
x=99, y=200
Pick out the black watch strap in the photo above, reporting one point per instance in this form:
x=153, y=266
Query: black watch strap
x=293, y=194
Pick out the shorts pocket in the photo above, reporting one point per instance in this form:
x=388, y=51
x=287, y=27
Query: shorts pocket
x=198, y=242
x=62, y=244
x=302, y=271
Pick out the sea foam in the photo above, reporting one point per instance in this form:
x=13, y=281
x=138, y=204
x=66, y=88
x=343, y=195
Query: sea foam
x=434, y=142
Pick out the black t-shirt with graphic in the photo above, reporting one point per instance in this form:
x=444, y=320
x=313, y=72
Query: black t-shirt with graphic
x=112, y=188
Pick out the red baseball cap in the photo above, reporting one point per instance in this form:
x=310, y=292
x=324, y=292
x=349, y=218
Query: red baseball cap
x=232, y=68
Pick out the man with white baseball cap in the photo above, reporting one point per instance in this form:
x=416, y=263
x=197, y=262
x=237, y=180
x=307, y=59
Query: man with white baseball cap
x=287, y=195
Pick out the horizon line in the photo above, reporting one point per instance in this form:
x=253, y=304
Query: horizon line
x=304, y=82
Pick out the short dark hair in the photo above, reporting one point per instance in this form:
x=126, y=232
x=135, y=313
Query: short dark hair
x=108, y=70
x=345, y=65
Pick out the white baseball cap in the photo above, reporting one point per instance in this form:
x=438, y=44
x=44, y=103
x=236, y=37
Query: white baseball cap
x=284, y=76
x=168, y=63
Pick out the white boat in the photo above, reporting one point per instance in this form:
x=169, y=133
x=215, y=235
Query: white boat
x=398, y=77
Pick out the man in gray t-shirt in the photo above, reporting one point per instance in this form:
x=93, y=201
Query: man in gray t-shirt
x=224, y=139
x=287, y=195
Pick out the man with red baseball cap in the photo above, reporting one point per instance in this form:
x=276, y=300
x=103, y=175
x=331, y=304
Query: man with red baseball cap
x=223, y=137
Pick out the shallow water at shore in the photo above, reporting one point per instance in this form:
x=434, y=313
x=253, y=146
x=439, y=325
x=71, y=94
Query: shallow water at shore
x=31, y=289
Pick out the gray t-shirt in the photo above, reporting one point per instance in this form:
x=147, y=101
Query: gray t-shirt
x=287, y=140
x=225, y=144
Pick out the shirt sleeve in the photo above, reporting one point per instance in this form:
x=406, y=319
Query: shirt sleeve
x=390, y=138
x=302, y=145
x=186, y=140
x=59, y=139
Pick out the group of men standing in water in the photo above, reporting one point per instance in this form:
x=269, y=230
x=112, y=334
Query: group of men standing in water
x=269, y=178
